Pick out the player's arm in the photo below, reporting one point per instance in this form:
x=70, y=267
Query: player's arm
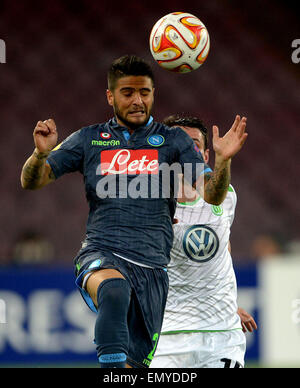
x=229, y=246
x=36, y=173
x=216, y=183
x=247, y=321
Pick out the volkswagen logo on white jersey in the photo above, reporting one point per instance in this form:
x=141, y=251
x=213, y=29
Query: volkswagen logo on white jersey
x=200, y=243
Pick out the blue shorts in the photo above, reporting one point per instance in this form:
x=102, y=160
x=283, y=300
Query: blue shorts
x=147, y=305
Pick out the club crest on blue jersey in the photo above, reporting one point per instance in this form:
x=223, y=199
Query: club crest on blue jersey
x=156, y=140
x=200, y=243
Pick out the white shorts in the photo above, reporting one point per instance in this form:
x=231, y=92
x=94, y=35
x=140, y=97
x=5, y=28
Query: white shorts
x=224, y=349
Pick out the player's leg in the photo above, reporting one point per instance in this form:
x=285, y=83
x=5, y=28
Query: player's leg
x=182, y=350
x=111, y=294
x=169, y=353
x=150, y=288
x=97, y=277
x=148, y=294
x=229, y=350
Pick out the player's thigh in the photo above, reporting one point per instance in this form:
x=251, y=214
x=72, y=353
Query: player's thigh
x=229, y=350
x=97, y=277
x=181, y=350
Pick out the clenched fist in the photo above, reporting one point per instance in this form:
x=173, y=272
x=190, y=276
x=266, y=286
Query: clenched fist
x=45, y=136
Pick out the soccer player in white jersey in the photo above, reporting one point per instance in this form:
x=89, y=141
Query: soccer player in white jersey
x=203, y=327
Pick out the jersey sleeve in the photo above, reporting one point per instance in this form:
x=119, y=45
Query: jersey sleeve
x=67, y=156
x=190, y=157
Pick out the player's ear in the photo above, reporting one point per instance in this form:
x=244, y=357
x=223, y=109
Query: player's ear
x=206, y=156
x=110, y=97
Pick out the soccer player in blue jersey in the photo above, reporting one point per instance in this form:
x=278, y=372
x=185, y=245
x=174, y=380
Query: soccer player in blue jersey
x=121, y=266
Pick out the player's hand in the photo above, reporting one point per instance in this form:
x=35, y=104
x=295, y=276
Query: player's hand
x=45, y=136
x=248, y=322
x=230, y=144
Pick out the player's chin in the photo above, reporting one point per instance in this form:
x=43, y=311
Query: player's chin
x=137, y=118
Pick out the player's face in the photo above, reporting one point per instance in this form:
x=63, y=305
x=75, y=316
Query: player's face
x=198, y=138
x=132, y=100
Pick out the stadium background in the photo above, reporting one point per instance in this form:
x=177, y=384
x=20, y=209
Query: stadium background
x=57, y=55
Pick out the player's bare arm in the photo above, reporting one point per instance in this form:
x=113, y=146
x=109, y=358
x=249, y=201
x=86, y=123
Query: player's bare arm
x=36, y=173
x=217, y=182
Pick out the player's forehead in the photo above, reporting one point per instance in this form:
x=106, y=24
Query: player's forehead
x=194, y=133
x=134, y=82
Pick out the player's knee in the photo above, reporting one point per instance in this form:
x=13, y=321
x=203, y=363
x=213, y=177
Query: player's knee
x=113, y=298
x=96, y=278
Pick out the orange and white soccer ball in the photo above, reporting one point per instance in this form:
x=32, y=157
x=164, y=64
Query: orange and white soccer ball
x=179, y=42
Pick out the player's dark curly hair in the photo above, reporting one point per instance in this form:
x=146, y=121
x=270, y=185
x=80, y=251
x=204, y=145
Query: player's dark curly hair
x=125, y=66
x=187, y=121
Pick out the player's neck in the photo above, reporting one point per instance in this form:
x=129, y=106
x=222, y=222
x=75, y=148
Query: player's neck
x=126, y=125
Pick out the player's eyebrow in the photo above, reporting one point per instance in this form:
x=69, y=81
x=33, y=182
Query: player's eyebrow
x=129, y=89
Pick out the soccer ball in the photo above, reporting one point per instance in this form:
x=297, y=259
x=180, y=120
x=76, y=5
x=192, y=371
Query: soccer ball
x=179, y=42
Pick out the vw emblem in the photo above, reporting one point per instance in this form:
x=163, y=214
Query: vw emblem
x=200, y=243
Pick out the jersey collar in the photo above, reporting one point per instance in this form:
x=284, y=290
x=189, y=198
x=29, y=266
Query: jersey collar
x=114, y=124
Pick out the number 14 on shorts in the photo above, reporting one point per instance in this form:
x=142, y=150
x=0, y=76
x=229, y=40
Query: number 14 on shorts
x=230, y=363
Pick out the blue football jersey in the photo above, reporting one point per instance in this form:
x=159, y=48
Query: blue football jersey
x=129, y=185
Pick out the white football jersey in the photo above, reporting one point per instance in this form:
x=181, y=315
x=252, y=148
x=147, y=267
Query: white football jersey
x=203, y=291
